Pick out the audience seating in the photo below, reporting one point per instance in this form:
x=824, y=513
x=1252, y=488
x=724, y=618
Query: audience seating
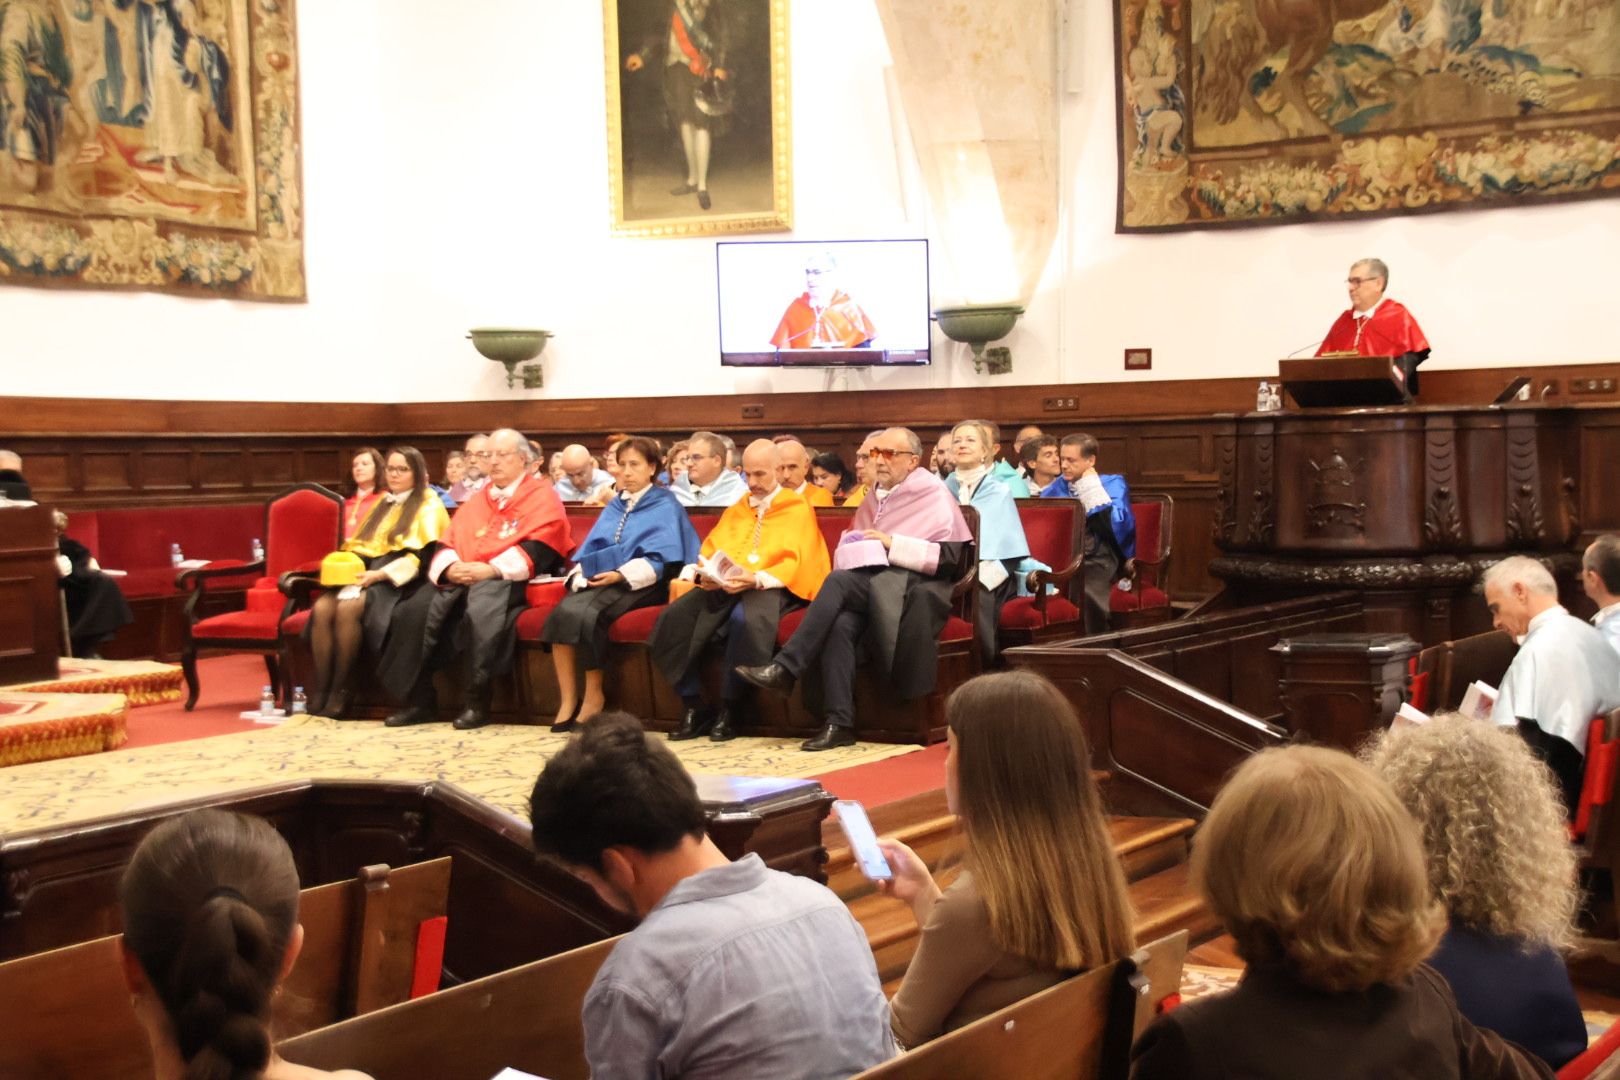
x=527, y=1018
x=302, y=525
x=1451, y=665
x=1053, y=528
x=1146, y=603
x=139, y=543
x=1600, y=1060
x=360, y=953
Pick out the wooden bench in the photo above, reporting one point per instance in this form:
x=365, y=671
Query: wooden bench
x=67, y=1012
x=529, y=1018
x=1452, y=665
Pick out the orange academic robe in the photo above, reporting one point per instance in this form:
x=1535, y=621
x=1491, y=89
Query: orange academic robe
x=789, y=546
x=1389, y=331
x=816, y=495
x=840, y=324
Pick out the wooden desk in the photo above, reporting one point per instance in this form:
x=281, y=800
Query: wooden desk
x=30, y=611
x=1405, y=505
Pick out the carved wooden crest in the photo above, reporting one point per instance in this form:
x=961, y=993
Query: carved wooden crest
x=1335, y=501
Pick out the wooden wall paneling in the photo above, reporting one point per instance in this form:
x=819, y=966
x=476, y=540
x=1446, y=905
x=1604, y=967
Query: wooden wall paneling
x=107, y=471
x=277, y=467
x=49, y=471
x=219, y=469
x=165, y=469
x=1598, y=486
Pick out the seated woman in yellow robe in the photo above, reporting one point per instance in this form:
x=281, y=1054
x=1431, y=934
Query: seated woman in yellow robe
x=391, y=542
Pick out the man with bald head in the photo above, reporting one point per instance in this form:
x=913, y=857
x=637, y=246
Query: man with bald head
x=709, y=480
x=510, y=530
x=794, y=473
x=891, y=589
x=582, y=481
x=476, y=473
x=780, y=561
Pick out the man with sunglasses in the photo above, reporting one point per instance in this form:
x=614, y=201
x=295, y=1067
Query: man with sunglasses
x=1376, y=325
x=890, y=591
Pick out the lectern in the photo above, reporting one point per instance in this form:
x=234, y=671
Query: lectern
x=30, y=612
x=1344, y=382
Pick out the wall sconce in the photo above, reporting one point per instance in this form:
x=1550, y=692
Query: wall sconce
x=977, y=325
x=511, y=348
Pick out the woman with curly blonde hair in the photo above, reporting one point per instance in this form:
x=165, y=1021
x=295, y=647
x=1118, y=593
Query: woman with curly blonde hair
x=1316, y=870
x=1499, y=858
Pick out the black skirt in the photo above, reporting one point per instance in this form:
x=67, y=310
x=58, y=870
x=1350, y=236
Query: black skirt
x=583, y=618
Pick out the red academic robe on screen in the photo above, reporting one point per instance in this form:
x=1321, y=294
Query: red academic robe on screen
x=1389, y=331
x=841, y=323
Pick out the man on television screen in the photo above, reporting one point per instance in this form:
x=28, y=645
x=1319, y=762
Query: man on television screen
x=823, y=316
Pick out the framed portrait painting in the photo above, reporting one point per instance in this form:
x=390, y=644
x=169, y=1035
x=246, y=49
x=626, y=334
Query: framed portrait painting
x=698, y=117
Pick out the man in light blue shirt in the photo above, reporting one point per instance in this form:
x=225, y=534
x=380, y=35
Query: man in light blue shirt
x=736, y=971
x=1600, y=577
x=709, y=479
x=582, y=481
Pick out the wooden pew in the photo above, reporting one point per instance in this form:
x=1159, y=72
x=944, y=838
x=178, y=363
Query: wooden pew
x=67, y=1012
x=527, y=1018
x=1080, y=1029
x=1452, y=665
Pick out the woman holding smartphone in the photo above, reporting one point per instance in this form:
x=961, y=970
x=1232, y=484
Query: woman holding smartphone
x=1041, y=895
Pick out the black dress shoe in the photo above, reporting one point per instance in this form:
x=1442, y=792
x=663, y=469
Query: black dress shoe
x=703, y=198
x=724, y=731
x=337, y=703
x=684, y=189
x=471, y=717
x=416, y=714
x=695, y=723
x=562, y=726
x=771, y=676
x=829, y=737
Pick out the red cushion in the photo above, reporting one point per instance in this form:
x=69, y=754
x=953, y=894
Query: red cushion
x=1049, y=529
x=293, y=625
x=265, y=597
x=531, y=621
x=1141, y=598
x=635, y=626
x=547, y=594
x=303, y=528
x=1597, y=785
x=1020, y=613
x=84, y=526
x=255, y=625
x=148, y=581
x=702, y=524
x=140, y=539
x=955, y=629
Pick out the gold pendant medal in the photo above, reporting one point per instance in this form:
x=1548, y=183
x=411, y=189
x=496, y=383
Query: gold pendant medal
x=753, y=557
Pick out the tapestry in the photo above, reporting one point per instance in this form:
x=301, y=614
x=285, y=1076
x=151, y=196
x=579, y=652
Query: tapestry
x=151, y=144
x=1250, y=112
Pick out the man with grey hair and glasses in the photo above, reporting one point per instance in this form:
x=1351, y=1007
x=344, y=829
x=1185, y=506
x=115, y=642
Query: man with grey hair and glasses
x=1564, y=675
x=1375, y=325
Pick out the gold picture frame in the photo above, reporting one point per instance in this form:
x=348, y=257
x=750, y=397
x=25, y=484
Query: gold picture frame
x=730, y=88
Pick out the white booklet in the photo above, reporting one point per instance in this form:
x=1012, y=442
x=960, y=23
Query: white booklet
x=515, y=1074
x=1478, y=701
x=722, y=569
x=1407, y=714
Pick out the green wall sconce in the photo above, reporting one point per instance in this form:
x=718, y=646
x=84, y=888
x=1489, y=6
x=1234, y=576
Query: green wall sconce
x=511, y=348
x=977, y=325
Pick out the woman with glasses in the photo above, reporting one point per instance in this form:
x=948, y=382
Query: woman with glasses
x=391, y=541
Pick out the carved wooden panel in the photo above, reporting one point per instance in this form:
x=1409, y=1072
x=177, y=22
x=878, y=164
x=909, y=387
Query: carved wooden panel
x=49, y=472
x=221, y=469
x=106, y=471
x=277, y=468
x=166, y=470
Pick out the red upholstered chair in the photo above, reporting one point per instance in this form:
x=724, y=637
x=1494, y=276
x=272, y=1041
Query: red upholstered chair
x=1052, y=528
x=301, y=525
x=1145, y=602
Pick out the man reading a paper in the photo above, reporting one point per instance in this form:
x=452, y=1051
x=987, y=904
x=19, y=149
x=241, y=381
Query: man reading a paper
x=891, y=585
x=763, y=558
x=1564, y=674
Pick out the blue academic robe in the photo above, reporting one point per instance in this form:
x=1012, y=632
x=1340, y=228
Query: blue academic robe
x=658, y=530
x=1120, y=516
x=1001, y=532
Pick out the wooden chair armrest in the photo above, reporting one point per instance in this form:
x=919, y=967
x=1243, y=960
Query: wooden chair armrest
x=198, y=577
x=300, y=586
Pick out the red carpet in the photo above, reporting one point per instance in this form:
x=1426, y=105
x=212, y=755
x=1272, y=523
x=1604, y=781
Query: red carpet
x=230, y=686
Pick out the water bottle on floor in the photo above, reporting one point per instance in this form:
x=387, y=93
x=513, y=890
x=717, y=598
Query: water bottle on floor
x=300, y=703
x=267, y=701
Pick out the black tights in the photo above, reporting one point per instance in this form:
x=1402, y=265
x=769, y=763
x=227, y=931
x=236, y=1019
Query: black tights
x=334, y=639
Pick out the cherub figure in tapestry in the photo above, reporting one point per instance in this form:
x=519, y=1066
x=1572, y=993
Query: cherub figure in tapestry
x=1156, y=101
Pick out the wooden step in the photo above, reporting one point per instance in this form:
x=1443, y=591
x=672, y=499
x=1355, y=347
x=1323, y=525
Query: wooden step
x=1146, y=845
x=1165, y=902
x=1216, y=952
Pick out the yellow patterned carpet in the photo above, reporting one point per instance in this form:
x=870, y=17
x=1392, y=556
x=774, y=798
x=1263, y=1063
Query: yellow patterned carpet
x=497, y=764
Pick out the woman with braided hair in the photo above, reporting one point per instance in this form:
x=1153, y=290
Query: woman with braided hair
x=210, y=904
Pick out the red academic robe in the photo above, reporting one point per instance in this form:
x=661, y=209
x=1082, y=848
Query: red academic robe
x=486, y=531
x=1389, y=331
x=841, y=323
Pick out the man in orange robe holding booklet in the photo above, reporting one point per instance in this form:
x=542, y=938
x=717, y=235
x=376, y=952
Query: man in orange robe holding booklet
x=1374, y=325
x=763, y=558
x=511, y=530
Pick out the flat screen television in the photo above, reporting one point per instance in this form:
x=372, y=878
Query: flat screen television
x=823, y=303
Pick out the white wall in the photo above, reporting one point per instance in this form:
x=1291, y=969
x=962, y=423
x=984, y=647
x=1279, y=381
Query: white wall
x=455, y=176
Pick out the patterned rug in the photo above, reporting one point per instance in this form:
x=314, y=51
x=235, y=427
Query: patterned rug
x=144, y=682
x=497, y=764
x=44, y=727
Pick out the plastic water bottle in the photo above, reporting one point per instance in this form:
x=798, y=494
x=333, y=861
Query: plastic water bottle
x=267, y=701
x=258, y=550
x=300, y=703
x=176, y=556
x=1262, y=399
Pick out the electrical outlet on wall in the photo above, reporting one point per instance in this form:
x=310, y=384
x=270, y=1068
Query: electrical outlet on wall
x=753, y=412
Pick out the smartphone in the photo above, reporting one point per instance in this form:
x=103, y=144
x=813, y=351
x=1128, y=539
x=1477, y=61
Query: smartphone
x=862, y=840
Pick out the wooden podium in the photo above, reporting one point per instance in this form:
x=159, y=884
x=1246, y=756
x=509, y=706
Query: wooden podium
x=1346, y=382
x=30, y=610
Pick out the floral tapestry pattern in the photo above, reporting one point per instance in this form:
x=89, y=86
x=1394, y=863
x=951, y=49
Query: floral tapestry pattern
x=151, y=144
x=1246, y=112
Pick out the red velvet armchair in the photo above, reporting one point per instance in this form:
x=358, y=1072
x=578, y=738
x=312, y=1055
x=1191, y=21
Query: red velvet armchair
x=1146, y=602
x=301, y=526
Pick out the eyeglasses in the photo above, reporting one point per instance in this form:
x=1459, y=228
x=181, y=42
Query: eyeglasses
x=886, y=454
x=478, y=453
x=504, y=455
x=1357, y=282
x=398, y=469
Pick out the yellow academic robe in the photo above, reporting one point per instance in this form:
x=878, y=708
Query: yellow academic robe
x=790, y=547
x=430, y=523
x=856, y=497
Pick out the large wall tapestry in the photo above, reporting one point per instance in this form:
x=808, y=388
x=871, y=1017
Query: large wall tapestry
x=698, y=115
x=151, y=144
x=1245, y=112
